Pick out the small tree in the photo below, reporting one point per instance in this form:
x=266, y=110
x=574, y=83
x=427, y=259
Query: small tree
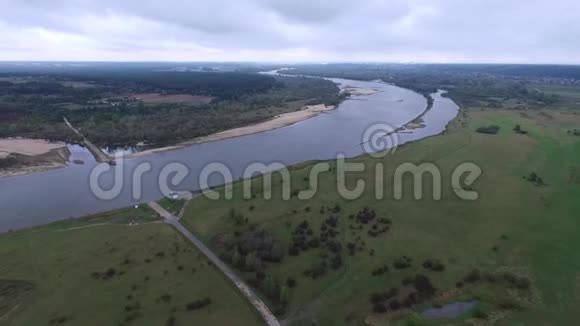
x=237, y=258
x=284, y=295
x=270, y=286
x=252, y=262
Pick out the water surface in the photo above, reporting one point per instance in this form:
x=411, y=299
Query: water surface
x=52, y=195
x=451, y=310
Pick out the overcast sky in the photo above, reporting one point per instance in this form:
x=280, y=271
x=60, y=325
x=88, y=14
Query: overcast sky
x=498, y=31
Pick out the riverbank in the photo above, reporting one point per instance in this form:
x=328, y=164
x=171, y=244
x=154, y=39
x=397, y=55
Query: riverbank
x=21, y=156
x=279, y=121
x=320, y=138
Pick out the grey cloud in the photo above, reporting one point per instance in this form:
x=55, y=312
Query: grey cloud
x=299, y=30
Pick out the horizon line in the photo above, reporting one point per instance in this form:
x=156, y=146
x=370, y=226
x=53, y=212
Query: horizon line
x=295, y=62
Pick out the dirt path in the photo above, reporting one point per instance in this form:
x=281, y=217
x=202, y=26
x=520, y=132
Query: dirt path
x=258, y=304
x=99, y=155
x=105, y=224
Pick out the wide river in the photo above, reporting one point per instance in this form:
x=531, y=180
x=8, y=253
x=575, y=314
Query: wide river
x=58, y=194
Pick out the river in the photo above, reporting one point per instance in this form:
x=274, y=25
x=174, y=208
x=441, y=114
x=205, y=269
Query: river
x=63, y=193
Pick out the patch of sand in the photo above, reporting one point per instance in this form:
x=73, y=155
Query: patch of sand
x=25, y=146
x=278, y=121
x=359, y=91
x=32, y=155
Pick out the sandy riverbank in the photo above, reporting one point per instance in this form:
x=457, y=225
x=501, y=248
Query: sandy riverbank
x=359, y=91
x=25, y=146
x=31, y=155
x=278, y=121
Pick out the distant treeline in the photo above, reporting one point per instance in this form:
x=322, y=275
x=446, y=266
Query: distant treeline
x=511, y=70
x=226, y=85
x=463, y=83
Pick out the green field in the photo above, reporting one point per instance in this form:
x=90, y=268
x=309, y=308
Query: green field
x=515, y=230
x=514, y=250
x=118, y=268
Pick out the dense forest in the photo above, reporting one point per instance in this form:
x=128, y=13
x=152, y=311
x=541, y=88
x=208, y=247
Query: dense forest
x=102, y=104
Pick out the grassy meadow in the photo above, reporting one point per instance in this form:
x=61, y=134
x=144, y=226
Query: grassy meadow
x=519, y=239
x=118, y=268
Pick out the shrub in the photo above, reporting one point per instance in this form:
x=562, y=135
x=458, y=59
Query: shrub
x=394, y=304
x=391, y=293
x=402, y=262
x=478, y=313
x=519, y=130
x=423, y=285
x=336, y=209
x=535, y=179
x=314, y=243
x=523, y=283
x=316, y=271
x=365, y=215
x=59, y=320
x=491, y=130
x=293, y=251
x=434, y=265
x=520, y=283
x=509, y=306
x=284, y=295
x=473, y=276
x=376, y=297
x=336, y=262
x=380, y=308
x=290, y=282
x=109, y=273
x=260, y=276
x=279, y=310
x=198, y=304
x=380, y=270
